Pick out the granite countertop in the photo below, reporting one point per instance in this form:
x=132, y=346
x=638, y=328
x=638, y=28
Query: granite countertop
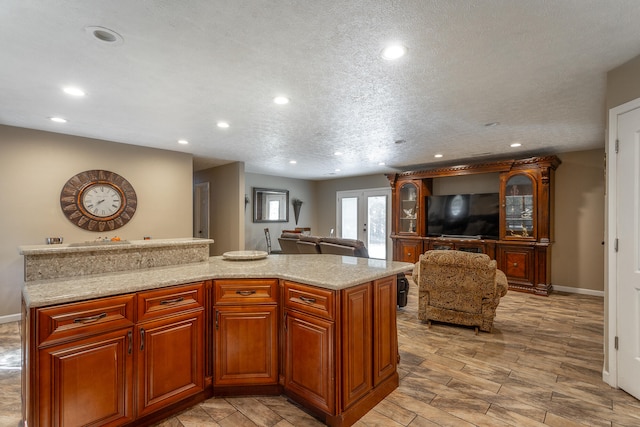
x=109, y=246
x=327, y=271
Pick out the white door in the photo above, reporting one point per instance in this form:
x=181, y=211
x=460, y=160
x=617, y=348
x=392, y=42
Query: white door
x=366, y=215
x=628, y=255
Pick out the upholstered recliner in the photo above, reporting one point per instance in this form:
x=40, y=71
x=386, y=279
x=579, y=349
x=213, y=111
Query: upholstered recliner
x=459, y=287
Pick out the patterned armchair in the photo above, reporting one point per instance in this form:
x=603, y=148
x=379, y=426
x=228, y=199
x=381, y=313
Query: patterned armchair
x=459, y=287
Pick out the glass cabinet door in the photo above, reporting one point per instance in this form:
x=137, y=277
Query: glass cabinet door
x=519, y=207
x=408, y=204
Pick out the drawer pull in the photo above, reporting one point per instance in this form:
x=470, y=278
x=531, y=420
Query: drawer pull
x=141, y=339
x=90, y=319
x=246, y=293
x=308, y=300
x=171, y=301
x=130, y=335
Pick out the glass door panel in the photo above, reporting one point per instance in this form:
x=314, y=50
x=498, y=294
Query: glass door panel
x=349, y=221
x=377, y=226
x=519, y=208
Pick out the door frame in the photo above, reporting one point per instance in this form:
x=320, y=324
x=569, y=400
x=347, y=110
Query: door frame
x=364, y=193
x=610, y=368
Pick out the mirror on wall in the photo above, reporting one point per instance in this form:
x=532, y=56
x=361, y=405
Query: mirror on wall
x=270, y=205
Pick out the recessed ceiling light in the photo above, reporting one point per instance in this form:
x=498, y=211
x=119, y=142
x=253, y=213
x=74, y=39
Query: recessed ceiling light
x=74, y=91
x=516, y=144
x=337, y=153
x=293, y=162
x=223, y=125
x=492, y=124
x=393, y=52
x=281, y=100
x=183, y=141
x=337, y=170
x=104, y=35
x=58, y=119
x=381, y=164
x=438, y=156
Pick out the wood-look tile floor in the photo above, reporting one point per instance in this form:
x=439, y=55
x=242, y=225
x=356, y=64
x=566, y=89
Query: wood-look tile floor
x=541, y=366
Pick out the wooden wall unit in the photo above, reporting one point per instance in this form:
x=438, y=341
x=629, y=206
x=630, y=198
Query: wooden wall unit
x=523, y=248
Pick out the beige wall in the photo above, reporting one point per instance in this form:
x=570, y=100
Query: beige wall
x=226, y=206
x=577, y=256
x=623, y=84
x=298, y=188
x=326, y=197
x=35, y=165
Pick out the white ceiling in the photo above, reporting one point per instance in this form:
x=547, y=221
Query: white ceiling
x=536, y=66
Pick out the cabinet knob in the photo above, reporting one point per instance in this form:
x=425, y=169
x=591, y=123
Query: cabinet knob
x=409, y=254
x=515, y=264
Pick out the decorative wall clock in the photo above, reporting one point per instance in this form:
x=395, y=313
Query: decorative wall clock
x=98, y=200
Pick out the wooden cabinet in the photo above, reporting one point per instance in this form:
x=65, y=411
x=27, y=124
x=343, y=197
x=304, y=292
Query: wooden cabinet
x=408, y=250
x=84, y=364
x=385, y=333
x=93, y=358
x=135, y=359
x=170, y=346
x=245, y=334
x=357, y=357
x=523, y=248
x=310, y=350
x=341, y=348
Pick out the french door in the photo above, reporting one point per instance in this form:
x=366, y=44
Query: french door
x=366, y=215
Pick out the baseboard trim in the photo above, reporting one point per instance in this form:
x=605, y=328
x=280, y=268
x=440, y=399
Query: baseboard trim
x=582, y=291
x=10, y=318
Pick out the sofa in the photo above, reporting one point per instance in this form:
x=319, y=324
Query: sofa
x=459, y=287
x=296, y=243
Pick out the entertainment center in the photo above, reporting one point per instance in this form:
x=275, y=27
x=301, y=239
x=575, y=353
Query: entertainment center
x=514, y=226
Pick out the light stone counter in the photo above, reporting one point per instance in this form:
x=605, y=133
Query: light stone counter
x=327, y=271
x=42, y=262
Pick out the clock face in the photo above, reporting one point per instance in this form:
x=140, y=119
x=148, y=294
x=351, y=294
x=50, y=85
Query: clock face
x=101, y=200
x=98, y=200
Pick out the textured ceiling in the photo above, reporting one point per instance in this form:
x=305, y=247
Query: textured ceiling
x=536, y=66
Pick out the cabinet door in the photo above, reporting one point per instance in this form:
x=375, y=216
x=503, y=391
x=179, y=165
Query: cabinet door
x=357, y=371
x=408, y=250
x=518, y=192
x=408, y=209
x=310, y=364
x=385, y=335
x=88, y=381
x=170, y=356
x=246, y=351
x=517, y=264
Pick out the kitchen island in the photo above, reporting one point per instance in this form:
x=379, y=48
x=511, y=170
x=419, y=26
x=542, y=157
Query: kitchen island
x=133, y=347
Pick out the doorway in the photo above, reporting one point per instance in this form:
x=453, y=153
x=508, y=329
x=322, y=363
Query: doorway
x=366, y=215
x=622, y=299
x=201, y=210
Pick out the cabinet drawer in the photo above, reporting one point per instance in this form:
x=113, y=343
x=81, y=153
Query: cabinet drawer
x=81, y=319
x=250, y=291
x=309, y=299
x=165, y=301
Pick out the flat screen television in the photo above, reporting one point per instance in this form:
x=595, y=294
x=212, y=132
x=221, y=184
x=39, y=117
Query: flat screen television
x=464, y=215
